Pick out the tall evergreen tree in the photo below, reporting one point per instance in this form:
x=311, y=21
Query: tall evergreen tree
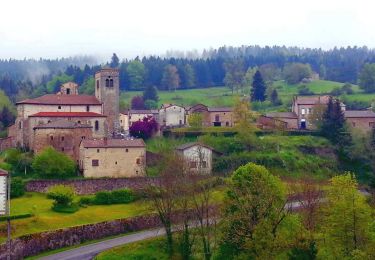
x=333, y=125
x=258, y=91
x=150, y=93
x=115, y=61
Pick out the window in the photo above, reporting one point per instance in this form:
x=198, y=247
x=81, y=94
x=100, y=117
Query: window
x=83, y=137
x=227, y=123
x=98, y=150
x=138, y=161
x=62, y=138
x=97, y=84
x=310, y=110
x=353, y=124
x=303, y=111
x=87, y=108
x=111, y=82
x=49, y=121
x=126, y=150
x=116, y=162
x=20, y=125
x=51, y=137
x=193, y=165
x=95, y=162
x=107, y=82
x=180, y=122
x=79, y=121
x=204, y=164
x=59, y=107
x=96, y=125
x=68, y=91
x=217, y=118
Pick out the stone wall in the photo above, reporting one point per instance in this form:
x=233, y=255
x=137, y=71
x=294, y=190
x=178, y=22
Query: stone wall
x=91, y=186
x=34, y=244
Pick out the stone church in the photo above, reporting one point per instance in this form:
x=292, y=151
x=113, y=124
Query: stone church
x=63, y=120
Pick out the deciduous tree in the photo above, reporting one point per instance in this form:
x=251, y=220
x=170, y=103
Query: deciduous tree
x=137, y=73
x=171, y=79
x=367, y=78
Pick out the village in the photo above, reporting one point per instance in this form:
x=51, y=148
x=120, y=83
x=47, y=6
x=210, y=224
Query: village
x=95, y=134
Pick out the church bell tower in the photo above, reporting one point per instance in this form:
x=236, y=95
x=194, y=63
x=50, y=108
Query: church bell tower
x=107, y=91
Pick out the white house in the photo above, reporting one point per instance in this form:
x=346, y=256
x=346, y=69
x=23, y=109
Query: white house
x=171, y=115
x=198, y=156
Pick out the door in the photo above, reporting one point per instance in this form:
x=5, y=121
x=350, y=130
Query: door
x=303, y=124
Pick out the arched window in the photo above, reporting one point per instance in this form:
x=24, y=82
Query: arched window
x=107, y=82
x=96, y=125
x=19, y=124
x=111, y=82
x=97, y=84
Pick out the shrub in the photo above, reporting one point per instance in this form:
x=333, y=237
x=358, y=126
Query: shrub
x=304, y=91
x=86, y=200
x=144, y=129
x=336, y=92
x=151, y=104
x=17, y=187
x=19, y=216
x=66, y=209
x=123, y=196
x=61, y=194
x=53, y=164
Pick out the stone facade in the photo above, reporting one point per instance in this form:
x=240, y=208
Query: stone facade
x=362, y=120
x=64, y=137
x=212, y=116
x=112, y=158
x=124, y=121
x=69, y=88
x=107, y=90
x=171, y=115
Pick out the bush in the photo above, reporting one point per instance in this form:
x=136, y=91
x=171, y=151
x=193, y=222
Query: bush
x=66, y=209
x=336, y=92
x=151, y=104
x=83, y=201
x=113, y=197
x=19, y=216
x=53, y=164
x=17, y=187
x=304, y=91
x=61, y=194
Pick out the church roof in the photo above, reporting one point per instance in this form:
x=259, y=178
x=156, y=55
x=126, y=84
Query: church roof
x=67, y=114
x=113, y=143
x=52, y=99
x=62, y=124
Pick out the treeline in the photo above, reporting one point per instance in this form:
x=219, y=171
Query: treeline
x=25, y=78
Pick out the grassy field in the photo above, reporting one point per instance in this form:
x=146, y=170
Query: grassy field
x=45, y=219
x=222, y=96
x=215, y=96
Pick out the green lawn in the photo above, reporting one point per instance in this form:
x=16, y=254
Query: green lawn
x=215, y=96
x=45, y=219
x=150, y=249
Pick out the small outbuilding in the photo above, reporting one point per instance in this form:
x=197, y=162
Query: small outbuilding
x=198, y=156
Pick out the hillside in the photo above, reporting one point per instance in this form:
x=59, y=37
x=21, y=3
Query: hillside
x=222, y=96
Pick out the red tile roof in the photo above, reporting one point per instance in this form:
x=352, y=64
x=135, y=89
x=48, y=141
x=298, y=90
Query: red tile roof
x=67, y=114
x=112, y=143
x=52, y=99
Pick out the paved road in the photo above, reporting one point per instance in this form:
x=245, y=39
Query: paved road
x=89, y=251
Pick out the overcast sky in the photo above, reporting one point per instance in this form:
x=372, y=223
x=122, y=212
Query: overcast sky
x=57, y=28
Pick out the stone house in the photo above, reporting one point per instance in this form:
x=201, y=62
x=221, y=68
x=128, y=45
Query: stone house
x=212, y=116
x=171, y=116
x=63, y=135
x=112, y=158
x=197, y=156
x=360, y=119
x=290, y=118
x=69, y=88
x=270, y=123
x=303, y=107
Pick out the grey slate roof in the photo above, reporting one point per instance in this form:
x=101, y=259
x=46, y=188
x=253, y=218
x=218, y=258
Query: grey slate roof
x=281, y=115
x=112, y=143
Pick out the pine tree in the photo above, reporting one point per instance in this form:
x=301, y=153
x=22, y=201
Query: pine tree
x=333, y=125
x=150, y=93
x=275, y=98
x=259, y=88
x=115, y=61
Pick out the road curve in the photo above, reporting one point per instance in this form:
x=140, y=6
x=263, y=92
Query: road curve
x=89, y=251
